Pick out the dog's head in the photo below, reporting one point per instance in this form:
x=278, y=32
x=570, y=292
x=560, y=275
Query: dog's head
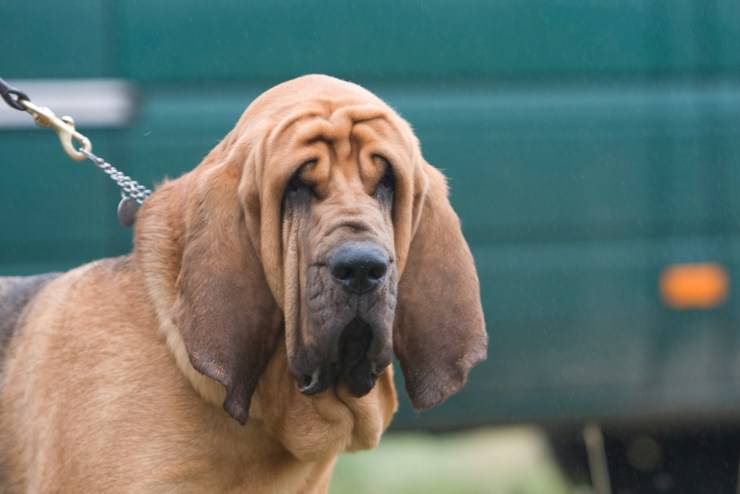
x=318, y=216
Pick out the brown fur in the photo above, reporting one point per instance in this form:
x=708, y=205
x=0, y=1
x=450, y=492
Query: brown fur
x=127, y=374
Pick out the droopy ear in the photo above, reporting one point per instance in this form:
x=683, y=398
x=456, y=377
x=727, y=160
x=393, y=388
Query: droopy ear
x=439, y=330
x=224, y=310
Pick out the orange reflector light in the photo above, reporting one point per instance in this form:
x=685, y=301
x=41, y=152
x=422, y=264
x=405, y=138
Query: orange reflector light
x=694, y=286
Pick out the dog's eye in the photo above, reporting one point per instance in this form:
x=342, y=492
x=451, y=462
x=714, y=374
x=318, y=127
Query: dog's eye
x=386, y=183
x=296, y=183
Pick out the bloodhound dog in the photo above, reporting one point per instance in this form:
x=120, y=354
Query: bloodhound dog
x=247, y=340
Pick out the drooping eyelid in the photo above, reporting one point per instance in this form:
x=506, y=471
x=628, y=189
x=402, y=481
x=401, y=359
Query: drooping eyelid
x=386, y=162
x=297, y=192
x=305, y=167
x=387, y=178
x=297, y=178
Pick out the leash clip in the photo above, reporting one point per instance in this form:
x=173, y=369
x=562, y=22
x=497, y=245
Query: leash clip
x=64, y=128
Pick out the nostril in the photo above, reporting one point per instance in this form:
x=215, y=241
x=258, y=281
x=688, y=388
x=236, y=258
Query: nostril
x=343, y=272
x=377, y=271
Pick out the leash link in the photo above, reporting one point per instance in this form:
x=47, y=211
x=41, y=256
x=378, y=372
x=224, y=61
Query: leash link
x=129, y=187
x=13, y=96
x=133, y=194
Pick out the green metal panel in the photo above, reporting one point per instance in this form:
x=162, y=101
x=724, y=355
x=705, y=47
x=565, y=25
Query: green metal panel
x=268, y=39
x=723, y=146
x=726, y=47
x=44, y=38
x=55, y=212
x=228, y=39
x=577, y=160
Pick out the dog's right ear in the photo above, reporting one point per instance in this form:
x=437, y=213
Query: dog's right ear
x=225, y=312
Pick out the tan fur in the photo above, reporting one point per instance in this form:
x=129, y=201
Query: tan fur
x=92, y=402
x=123, y=371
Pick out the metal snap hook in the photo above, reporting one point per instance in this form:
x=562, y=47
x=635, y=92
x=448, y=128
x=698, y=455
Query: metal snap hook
x=64, y=128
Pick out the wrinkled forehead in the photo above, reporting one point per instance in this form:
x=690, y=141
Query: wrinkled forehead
x=305, y=118
x=336, y=132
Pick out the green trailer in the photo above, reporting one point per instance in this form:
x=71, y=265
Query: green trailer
x=591, y=146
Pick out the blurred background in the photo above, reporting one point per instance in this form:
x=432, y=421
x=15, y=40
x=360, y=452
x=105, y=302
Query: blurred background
x=593, y=153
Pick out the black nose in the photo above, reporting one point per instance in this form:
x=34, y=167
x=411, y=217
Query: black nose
x=358, y=266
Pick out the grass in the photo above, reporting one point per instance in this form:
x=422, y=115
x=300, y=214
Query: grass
x=498, y=461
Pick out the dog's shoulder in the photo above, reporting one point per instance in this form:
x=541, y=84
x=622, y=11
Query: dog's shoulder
x=15, y=293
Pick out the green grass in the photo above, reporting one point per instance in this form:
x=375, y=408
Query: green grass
x=499, y=461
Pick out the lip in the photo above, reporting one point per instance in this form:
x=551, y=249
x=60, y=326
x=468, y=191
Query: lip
x=355, y=368
x=320, y=380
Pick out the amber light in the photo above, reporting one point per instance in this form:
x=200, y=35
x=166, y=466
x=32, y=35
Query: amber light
x=694, y=286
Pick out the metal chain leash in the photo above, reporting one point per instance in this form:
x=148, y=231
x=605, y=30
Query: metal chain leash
x=129, y=187
x=133, y=194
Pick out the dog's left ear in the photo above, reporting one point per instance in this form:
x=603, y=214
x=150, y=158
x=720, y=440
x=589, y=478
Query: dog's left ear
x=439, y=332
x=224, y=309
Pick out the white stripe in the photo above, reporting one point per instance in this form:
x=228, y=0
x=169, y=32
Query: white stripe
x=91, y=102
